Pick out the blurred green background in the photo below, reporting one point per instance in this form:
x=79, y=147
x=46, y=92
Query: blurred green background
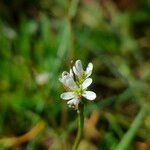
x=38, y=40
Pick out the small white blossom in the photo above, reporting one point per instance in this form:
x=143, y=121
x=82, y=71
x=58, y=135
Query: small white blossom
x=78, y=69
x=77, y=88
x=42, y=78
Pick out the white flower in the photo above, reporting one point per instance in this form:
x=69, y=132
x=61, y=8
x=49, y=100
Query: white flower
x=76, y=92
x=42, y=78
x=75, y=95
x=79, y=72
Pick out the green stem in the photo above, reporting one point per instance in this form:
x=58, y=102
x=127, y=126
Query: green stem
x=80, y=126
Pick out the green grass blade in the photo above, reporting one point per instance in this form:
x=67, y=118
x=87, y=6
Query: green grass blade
x=128, y=137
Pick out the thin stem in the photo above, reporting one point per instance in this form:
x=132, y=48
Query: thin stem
x=80, y=126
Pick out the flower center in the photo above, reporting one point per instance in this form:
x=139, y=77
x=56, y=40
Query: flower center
x=79, y=92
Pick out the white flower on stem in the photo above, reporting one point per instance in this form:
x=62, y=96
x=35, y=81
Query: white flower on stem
x=75, y=91
x=79, y=72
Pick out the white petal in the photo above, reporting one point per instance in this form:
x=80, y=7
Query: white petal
x=78, y=66
x=89, y=69
x=73, y=103
x=65, y=73
x=63, y=78
x=76, y=71
x=86, y=83
x=70, y=83
x=67, y=95
x=68, y=80
x=71, y=73
x=89, y=95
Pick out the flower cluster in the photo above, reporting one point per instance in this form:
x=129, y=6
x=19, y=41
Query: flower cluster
x=76, y=83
